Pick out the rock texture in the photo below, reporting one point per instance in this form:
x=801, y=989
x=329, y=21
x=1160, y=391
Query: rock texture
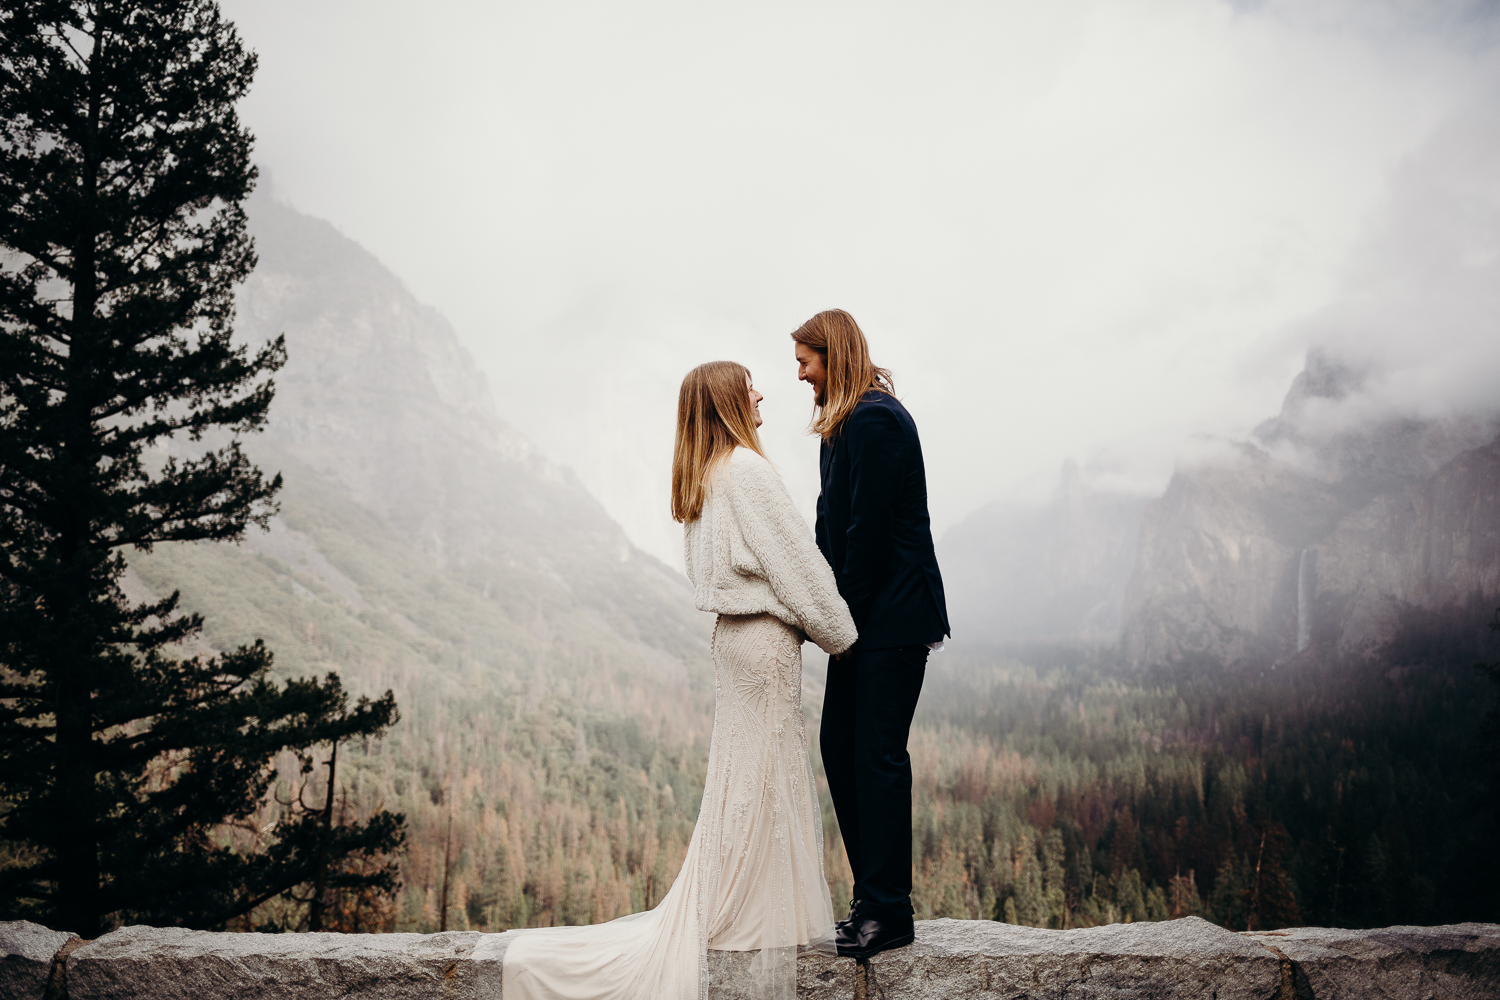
x=1311, y=536
x=26, y=954
x=170, y=963
x=1215, y=571
x=951, y=959
x=1395, y=963
x=1431, y=546
x=1180, y=958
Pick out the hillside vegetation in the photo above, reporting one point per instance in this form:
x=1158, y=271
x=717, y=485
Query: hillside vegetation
x=1060, y=790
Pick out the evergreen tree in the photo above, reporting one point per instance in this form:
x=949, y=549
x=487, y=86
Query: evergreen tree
x=123, y=168
x=1489, y=792
x=1054, y=877
x=1489, y=734
x=1028, y=902
x=1130, y=895
x=1182, y=896
x=1228, y=904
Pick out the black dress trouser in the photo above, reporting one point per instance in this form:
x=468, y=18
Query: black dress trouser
x=867, y=710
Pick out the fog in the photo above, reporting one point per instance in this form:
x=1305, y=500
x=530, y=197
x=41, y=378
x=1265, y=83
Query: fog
x=1417, y=317
x=1072, y=229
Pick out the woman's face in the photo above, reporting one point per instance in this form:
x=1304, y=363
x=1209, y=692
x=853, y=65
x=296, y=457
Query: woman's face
x=755, y=399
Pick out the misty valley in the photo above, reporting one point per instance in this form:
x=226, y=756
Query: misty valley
x=450, y=568
x=1253, y=698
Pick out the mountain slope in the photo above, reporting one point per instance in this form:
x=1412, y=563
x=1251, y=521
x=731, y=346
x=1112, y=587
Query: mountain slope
x=380, y=399
x=555, y=682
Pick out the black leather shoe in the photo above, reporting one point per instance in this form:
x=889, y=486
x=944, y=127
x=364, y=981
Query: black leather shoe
x=853, y=910
x=868, y=936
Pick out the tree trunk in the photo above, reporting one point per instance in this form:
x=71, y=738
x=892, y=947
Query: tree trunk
x=74, y=664
x=1253, y=917
x=315, y=916
x=447, y=867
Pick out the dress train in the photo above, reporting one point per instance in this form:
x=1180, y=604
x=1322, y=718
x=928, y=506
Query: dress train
x=753, y=878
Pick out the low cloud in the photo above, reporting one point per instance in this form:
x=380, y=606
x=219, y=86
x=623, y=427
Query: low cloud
x=1084, y=229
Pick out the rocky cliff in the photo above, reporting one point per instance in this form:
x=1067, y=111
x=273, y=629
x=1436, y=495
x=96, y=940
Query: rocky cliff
x=1430, y=547
x=1316, y=535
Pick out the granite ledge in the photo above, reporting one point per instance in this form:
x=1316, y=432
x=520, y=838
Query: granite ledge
x=951, y=959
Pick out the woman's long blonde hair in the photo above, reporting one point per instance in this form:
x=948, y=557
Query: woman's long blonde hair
x=846, y=358
x=713, y=417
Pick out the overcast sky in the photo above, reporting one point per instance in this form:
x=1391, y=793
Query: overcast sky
x=1073, y=229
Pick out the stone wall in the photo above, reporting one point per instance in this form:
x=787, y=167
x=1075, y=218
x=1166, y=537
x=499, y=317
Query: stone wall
x=951, y=959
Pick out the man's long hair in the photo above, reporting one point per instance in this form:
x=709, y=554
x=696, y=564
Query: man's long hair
x=846, y=357
x=713, y=417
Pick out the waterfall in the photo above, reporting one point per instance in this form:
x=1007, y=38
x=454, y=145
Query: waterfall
x=1304, y=599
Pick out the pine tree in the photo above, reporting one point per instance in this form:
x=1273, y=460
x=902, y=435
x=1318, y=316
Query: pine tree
x=123, y=168
x=1054, y=879
x=1130, y=895
x=1488, y=761
x=1489, y=736
x=1228, y=903
x=1028, y=895
x=1182, y=896
x=1273, y=901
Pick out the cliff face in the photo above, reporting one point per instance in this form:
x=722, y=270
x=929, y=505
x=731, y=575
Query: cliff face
x=1433, y=546
x=1214, y=571
x=1315, y=535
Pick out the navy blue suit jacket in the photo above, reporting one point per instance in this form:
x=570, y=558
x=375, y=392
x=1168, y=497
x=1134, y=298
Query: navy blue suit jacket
x=873, y=526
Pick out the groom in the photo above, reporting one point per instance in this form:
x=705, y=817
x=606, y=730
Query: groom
x=873, y=530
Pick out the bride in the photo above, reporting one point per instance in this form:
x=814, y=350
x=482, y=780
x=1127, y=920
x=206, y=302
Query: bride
x=752, y=881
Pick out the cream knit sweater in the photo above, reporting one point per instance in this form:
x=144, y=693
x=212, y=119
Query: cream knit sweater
x=750, y=553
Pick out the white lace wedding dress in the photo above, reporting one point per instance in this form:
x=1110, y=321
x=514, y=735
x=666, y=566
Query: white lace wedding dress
x=753, y=879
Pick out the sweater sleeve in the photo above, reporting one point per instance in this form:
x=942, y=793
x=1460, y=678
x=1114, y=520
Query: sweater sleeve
x=777, y=536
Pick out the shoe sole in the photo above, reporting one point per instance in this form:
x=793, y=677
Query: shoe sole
x=900, y=942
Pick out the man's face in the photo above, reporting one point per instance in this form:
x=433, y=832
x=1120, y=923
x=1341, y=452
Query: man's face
x=812, y=369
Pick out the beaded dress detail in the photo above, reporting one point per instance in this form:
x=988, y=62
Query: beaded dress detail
x=753, y=879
